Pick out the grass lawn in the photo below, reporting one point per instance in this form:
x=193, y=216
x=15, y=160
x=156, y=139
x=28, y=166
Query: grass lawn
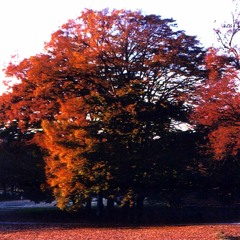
x=167, y=224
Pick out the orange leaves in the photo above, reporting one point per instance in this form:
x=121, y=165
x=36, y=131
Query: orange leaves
x=96, y=91
x=72, y=232
x=67, y=141
x=73, y=110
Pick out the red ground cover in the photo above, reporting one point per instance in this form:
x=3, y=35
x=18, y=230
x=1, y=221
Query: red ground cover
x=201, y=232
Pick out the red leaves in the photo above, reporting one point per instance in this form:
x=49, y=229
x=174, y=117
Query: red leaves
x=225, y=141
x=203, y=232
x=97, y=87
x=218, y=107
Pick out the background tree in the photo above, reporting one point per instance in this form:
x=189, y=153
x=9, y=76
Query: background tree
x=216, y=115
x=22, y=166
x=218, y=100
x=228, y=36
x=107, y=87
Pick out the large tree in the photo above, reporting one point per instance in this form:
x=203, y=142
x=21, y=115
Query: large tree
x=108, y=91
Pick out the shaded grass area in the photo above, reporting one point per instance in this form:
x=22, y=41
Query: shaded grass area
x=150, y=215
x=38, y=215
x=155, y=223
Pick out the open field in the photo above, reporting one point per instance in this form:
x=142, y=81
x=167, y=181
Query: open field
x=23, y=220
x=74, y=232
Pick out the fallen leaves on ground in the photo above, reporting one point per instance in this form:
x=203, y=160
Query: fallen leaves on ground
x=203, y=232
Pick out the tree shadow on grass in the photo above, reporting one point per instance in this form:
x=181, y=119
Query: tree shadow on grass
x=45, y=218
x=231, y=238
x=223, y=236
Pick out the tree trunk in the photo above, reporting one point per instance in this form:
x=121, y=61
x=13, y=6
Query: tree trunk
x=100, y=206
x=110, y=208
x=89, y=204
x=88, y=207
x=12, y=191
x=139, y=208
x=4, y=191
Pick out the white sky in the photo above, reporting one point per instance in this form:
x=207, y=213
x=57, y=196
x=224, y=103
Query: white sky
x=26, y=24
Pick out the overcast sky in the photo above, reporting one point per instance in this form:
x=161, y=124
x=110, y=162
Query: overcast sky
x=26, y=24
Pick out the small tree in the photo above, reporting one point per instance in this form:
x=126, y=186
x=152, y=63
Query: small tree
x=218, y=99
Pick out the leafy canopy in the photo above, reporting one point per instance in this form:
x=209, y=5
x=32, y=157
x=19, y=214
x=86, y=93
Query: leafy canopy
x=106, y=92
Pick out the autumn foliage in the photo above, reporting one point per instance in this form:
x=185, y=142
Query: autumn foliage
x=105, y=99
x=204, y=232
x=218, y=105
